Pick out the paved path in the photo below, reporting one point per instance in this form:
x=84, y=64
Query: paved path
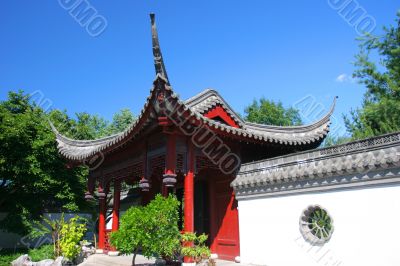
x=105, y=260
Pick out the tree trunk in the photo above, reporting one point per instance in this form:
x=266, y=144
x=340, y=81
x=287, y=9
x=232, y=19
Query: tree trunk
x=54, y=244
x=134, y=256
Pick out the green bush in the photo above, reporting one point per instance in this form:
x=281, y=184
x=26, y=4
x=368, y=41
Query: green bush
x=50, y=227
x=65, y=235
x=195, y=247
x=152, y=229
x=165, y=217
x=70, y=235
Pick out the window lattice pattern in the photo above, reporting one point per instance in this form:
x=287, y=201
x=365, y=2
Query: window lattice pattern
x=316, y=225
x=362, y=144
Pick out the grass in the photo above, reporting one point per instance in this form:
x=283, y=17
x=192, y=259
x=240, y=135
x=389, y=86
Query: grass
x=42, y=253
x=7, y=256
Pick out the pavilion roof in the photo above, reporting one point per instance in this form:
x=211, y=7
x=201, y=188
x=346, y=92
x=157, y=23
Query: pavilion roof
x=195, y=108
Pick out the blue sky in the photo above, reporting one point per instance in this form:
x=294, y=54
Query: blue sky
x=283, y=50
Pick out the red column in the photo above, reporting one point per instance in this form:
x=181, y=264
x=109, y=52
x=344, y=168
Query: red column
x=169, y=179
x=115, y=213
x=117, y=197
x=188, y=210
x=102, y=218
x=189, y=190
x=213, y=216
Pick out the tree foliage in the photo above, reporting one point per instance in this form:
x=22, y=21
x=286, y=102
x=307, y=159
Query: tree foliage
x=71, y=233
x=87, y=126
x=380, y=110
x=33, y=176
x=153, y=229
x=121, y=120
x=65, y=234
x=194, y=247
x=269, y=112
x=164, y=213
x=50, y=227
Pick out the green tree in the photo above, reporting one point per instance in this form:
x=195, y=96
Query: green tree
x=153, y=229
x=89, y=126
x=269, y=112
x=164, y=213
x=380, y=110
x=133, y=233
x=121, y=121
x=33, y=176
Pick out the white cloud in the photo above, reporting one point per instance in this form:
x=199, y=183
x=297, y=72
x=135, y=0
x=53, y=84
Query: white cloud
x=345, y=78
x=341, y=78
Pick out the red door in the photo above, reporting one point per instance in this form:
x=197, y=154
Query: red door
x=226, y=240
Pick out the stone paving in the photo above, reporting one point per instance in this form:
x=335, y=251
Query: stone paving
x=105, y=260
x=100, y=260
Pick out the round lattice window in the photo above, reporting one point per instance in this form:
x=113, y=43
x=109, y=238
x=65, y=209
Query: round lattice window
x=316, y=225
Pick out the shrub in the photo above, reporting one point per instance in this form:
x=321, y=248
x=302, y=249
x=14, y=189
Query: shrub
x=195, y=247
x=153, y=229
x=133, y=233
x=49, y=227
x=165, y=215
x=65, y=235
x=70, y=234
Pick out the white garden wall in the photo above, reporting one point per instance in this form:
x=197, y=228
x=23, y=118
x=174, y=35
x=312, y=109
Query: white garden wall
x=366, y=229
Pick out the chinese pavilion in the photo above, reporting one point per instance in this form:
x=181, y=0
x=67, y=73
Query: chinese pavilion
x=193, y=148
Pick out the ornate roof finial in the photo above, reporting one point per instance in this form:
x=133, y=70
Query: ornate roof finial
x=158, y=59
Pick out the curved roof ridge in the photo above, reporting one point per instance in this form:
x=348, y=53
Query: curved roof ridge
x=68, y=147
x=318, y=123
x=202, y=97
x=198, y=95
x=86, y=141
x=83, y=149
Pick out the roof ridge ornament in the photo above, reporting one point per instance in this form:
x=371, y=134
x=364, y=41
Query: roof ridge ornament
x=158, y=59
